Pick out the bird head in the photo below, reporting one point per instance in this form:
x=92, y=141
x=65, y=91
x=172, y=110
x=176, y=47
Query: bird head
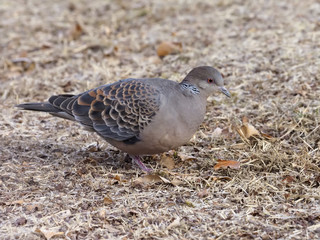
x=207, y=79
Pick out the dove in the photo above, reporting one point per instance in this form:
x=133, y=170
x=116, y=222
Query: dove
x=140, y=116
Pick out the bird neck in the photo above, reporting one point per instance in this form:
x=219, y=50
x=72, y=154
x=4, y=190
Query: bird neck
x=190, y=88
x=193, y=90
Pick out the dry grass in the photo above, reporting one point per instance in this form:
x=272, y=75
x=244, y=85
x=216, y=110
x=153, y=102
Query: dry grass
x=52, y=181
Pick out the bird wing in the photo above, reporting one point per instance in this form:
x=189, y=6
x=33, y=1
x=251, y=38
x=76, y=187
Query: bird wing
x=118, y=111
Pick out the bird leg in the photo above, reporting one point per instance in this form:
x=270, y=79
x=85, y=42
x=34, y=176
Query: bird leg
x=137, y=160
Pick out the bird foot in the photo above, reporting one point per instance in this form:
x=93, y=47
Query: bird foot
x=137, y=160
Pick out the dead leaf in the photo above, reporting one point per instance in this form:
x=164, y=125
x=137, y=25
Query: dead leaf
x=48, y=234
x=46, y=45
x=288, y=179
x=145, y=205
x=185, y=157
x=214, y=179
x=107, y=200
x=247, y=130
x=287, y=196
x=150, y=178
x=117, y=177
x=166, y=48
x=19, y=202
x=168, y=162
x=20, y=65
x=176, y=182
x=224, y=164
x=204, y=193
x=268, y=137
x=75, y=32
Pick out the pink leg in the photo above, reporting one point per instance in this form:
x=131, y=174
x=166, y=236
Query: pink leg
x=137, y=160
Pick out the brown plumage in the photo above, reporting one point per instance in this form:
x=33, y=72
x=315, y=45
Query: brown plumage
x=140, y=116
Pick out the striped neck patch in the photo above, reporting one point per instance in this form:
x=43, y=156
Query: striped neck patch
x=193, y=89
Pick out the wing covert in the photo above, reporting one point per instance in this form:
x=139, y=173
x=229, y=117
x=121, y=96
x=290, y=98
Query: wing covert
x=119, y=111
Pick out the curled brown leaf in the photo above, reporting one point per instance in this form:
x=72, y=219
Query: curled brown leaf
x=227, y=163
x=166, y=48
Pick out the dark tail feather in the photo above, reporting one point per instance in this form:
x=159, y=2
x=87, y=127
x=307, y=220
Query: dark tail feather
x=46, y=107
x=42, y=107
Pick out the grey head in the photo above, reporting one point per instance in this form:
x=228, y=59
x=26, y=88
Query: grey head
x=207, y=79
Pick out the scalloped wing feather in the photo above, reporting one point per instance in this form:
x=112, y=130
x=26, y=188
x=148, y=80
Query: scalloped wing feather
x=119, y=111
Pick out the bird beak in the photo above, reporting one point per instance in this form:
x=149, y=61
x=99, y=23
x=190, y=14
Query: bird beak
x=225, y=91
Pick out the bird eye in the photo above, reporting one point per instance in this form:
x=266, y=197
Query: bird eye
x=210, y=80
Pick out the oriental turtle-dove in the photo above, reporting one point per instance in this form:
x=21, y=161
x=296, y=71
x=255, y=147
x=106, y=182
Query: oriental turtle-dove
x=140, y=116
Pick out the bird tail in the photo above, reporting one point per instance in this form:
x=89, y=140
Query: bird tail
x=41, y=107
x=56, y=105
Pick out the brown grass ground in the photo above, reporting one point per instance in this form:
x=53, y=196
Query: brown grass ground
x=54, y=181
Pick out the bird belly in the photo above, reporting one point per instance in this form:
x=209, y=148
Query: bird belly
x=157, y=139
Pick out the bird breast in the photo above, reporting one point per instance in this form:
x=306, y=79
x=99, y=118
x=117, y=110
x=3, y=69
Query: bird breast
x=175, y=123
